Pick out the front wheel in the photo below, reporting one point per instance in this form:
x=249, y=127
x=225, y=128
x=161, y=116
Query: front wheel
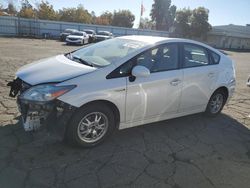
x=90, y=125
x=216, y=103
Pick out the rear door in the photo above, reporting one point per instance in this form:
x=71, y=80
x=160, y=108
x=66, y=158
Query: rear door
x=199, y=77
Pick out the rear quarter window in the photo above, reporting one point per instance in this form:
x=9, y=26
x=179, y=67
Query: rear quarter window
x=195, y=55
x=215, y=58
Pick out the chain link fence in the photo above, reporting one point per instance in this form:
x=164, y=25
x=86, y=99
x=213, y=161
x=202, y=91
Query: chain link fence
x=15, y=26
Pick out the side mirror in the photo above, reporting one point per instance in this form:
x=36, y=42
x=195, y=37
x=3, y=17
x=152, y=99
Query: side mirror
x=140, y=71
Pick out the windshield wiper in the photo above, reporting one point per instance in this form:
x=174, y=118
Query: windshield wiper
x=81, y=60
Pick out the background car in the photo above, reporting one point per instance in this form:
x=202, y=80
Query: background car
x=103, y=35
x=66, y=33
x=121, y=83
x=91, y=34
x=78, y=37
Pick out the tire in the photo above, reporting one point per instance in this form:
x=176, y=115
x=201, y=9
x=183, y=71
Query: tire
x=80, y=132
x=216, y=103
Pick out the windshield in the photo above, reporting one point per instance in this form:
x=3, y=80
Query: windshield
x=107, y=52
x=77, y=34
x=103, y=33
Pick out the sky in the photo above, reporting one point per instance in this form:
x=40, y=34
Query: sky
x=222, y=12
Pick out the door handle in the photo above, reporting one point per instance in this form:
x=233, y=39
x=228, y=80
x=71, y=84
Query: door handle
x=211, y=74
x=175, y=82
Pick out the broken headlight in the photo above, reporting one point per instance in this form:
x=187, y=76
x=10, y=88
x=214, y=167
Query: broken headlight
x=45, y=93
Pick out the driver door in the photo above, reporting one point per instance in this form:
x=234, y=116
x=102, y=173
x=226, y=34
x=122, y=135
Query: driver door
x=157, y=95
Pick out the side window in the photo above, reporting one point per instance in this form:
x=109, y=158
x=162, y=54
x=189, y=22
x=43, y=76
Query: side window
x=146, y=59
x=122, y=71
x=215, y=57
x=162, y=58
x=126, y=68
x=167, y=58
x=195, y=56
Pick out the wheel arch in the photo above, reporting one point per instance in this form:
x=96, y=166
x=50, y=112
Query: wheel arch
x=111, y=105
x=224, y=89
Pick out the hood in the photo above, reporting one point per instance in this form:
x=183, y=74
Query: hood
x=75, y=37
x=54, y=69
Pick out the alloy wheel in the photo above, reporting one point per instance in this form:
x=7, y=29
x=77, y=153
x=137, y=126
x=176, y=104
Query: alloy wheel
x=92, y=127
x=216, y=103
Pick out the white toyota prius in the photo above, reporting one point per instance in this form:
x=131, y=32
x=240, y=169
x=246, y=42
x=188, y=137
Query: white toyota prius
x=120, y=83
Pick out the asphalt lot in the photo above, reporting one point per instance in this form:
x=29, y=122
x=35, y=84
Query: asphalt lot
x=192, y=151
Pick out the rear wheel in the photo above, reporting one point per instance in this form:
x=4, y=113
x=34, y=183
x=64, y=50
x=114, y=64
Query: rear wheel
x=90, y=125
x=216, y=103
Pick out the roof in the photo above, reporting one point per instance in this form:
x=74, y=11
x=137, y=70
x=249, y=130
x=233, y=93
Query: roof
x=158, y=40
x=143, y=38
x=89, y=30
x=154, y=39
x=103, y=31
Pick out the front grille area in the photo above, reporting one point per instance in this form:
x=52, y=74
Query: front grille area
x=73, y=39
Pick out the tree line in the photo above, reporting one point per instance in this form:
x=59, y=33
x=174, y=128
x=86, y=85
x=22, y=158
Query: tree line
x=163, y=16
x=185, y=22
x=46, y=11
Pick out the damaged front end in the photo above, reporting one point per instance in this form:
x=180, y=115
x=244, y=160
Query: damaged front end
x=40, y=107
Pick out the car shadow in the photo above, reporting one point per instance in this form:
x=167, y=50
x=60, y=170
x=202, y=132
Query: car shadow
x=174, y=130
x=185, y=139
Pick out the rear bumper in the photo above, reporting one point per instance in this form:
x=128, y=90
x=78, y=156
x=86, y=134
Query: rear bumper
x=231, y=89
x=53, y=116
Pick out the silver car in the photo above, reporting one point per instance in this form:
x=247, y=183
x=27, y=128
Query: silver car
x=120, y=83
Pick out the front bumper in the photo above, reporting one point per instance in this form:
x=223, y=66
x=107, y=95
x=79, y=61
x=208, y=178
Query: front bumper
x=231, y=89
x=53, y=116
x=73, y=41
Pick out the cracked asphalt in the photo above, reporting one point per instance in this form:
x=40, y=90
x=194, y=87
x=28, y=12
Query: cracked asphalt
x=192, y=151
